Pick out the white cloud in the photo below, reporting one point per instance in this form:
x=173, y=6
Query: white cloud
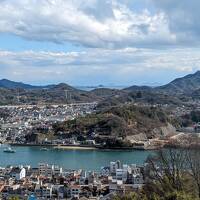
x=118, y=32
x=104, y=23
x=91, y=23
x=183, y=17
x=124, y=66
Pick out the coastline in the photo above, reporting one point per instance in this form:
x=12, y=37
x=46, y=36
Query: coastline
x=97, y=147
x=58, y=147
x=82, y=147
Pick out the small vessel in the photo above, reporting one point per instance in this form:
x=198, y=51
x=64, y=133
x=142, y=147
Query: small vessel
x=9, y=150
x=43, y=149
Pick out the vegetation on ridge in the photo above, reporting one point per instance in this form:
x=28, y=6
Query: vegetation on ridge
x=119, y=121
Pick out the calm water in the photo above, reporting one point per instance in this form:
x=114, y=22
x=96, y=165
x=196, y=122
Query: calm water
x=70, y=159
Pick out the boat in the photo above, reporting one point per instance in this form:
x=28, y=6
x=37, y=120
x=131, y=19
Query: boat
x=43, y=149
x=9, y=150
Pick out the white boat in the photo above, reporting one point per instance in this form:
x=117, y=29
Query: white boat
x=9, y=150
x=44, y=149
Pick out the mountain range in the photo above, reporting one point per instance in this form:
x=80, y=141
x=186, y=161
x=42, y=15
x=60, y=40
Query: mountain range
x=11, y=92
x=8, y=84
x=184, y=84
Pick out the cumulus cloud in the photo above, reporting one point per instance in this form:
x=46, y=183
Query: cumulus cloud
x=104, y=23
x=124, y=66
x=124, y=41
x=91, y=23
x=183, y=17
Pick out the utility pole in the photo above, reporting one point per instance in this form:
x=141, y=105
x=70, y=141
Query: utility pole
x=67, y=95
x=18, y=97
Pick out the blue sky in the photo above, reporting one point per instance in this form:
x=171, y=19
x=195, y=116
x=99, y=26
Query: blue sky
x=15, y=43
x=91, y=42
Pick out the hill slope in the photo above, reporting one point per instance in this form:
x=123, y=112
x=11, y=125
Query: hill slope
x=186, y=84
x=119, y=121
x=61, y=93
x=5, y=83
x=180, y=89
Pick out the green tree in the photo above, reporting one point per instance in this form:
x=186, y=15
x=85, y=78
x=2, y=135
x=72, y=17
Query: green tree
x=14, y=198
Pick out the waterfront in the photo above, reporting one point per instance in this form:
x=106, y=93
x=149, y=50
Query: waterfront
x=71, y=158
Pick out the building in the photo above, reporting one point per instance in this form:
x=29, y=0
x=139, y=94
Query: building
x=18, y=173
x=114, y=166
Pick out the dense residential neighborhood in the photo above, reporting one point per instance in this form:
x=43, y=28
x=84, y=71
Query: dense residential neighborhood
x=54, y=182
x=22, y=124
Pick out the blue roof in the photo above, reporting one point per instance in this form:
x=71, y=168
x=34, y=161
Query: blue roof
x=32, y=197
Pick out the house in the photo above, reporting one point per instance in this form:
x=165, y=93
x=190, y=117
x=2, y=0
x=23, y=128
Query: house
x=38, y=191
x=56, y=170
x=45, y=169
x=18, y=173
x=114, y=166
x=116, y=186
x=47, y=191
x=90, y=142
x=75, y=190
x=119, y=174
x=122, y=174
x=105, y=171
x=86, y=191
x=137, y=180
x=61, y=192
x=43, y=191
x=83, y=177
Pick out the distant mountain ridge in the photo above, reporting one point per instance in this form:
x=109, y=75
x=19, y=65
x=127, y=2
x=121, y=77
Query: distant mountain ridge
x=186, y=84
x=138, y=88
x=20, y=93
x=175, y=92
x=8, y=84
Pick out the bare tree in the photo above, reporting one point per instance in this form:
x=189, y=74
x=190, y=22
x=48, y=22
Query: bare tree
x=193, y=160
x=167, y=168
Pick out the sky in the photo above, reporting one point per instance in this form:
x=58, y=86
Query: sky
x=92, y=42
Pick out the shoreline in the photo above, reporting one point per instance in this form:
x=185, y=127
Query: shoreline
x=81, y=147
x=101, y=148
x=74, y=147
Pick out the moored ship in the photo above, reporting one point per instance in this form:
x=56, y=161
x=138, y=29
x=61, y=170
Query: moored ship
x=9, y=150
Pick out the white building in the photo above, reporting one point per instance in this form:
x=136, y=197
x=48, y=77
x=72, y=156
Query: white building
x=48, y=170
x=114, y=166
x=56, y=170
x=18, y=173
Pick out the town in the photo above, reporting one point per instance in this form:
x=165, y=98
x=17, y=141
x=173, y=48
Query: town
x=19, y=122
x=54, y=182
x=36, y=124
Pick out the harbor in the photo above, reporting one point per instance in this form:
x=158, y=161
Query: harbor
x=89, y=159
